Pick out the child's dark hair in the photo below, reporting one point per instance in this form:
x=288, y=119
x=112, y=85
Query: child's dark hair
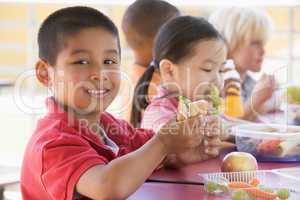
x=175, y=41
x=137, y=17
x=66, y=22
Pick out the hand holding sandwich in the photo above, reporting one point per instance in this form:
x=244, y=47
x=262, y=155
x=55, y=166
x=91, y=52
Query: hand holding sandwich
x=209, y=131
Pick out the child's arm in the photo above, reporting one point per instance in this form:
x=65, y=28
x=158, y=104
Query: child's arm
x=122, y=176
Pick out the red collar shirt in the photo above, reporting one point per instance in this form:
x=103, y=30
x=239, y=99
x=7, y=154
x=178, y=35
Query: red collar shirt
x=62, y=148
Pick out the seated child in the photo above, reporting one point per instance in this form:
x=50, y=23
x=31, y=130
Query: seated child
x=140, y=23
x=79, y=151
x=190, y=56
x=246, y=31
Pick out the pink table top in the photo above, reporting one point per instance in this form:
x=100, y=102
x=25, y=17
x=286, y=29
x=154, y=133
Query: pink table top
x=151, y=191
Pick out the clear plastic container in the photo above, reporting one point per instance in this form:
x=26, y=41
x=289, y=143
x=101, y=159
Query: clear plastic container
x=269, y=181
x=269, y=142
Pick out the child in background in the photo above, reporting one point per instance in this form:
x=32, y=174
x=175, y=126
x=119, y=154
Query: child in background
x=246, y=32
x=140, y=23
x=190, y=55
x=79, y=151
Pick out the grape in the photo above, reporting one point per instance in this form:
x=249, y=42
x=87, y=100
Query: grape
x=238, y=195
x=211, y=187
x=283, y=194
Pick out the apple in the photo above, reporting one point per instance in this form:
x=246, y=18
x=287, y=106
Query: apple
x=239, y=161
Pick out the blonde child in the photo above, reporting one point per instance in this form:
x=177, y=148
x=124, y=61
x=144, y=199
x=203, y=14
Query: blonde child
x=246, y=31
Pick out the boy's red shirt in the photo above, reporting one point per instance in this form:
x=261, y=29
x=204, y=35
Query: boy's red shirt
x=62, y=149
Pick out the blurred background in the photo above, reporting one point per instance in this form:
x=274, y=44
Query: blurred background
x=20, y=107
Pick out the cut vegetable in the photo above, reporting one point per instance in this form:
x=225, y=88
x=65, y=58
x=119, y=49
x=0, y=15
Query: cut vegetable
x=238, y=185
x=238, y=195
x=215, y=95
x=269, y=147
x=278, y=147
x=216, y=100
x=254, y=182
x=260, y=193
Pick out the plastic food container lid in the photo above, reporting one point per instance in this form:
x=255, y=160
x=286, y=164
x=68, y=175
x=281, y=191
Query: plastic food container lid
x=265, y=131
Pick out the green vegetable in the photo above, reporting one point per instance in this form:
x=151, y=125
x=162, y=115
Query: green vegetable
x=293, y=93
x=283, y=194
x=183, y=107
x=184, y=100
x=216, y=100
x=238, y=195
x=215, y=95
x=211, y=187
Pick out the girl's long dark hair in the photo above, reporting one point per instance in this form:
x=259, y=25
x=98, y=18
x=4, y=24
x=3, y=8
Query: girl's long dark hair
x=174, y=41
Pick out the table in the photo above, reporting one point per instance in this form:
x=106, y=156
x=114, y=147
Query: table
x=153, y=191
x=189, y=173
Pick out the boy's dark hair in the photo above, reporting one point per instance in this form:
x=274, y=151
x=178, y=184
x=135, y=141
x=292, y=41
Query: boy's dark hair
x=175, y=41
x=64, y=23
x=145, y=17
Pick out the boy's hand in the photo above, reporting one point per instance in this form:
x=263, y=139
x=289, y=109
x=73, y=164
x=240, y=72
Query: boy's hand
x=177, y=137
x=208, y=148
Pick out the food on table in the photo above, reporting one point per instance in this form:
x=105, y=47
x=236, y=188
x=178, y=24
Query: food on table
x=239, y=161
x=254, y=182
x=267, y=189
x=238, y=185
x=278, y=147
x=214, y=187
x=293, y=95
x=238, y=195
x=258, y=193
x=283, y=194
x=269, y=142
x=247, y=191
